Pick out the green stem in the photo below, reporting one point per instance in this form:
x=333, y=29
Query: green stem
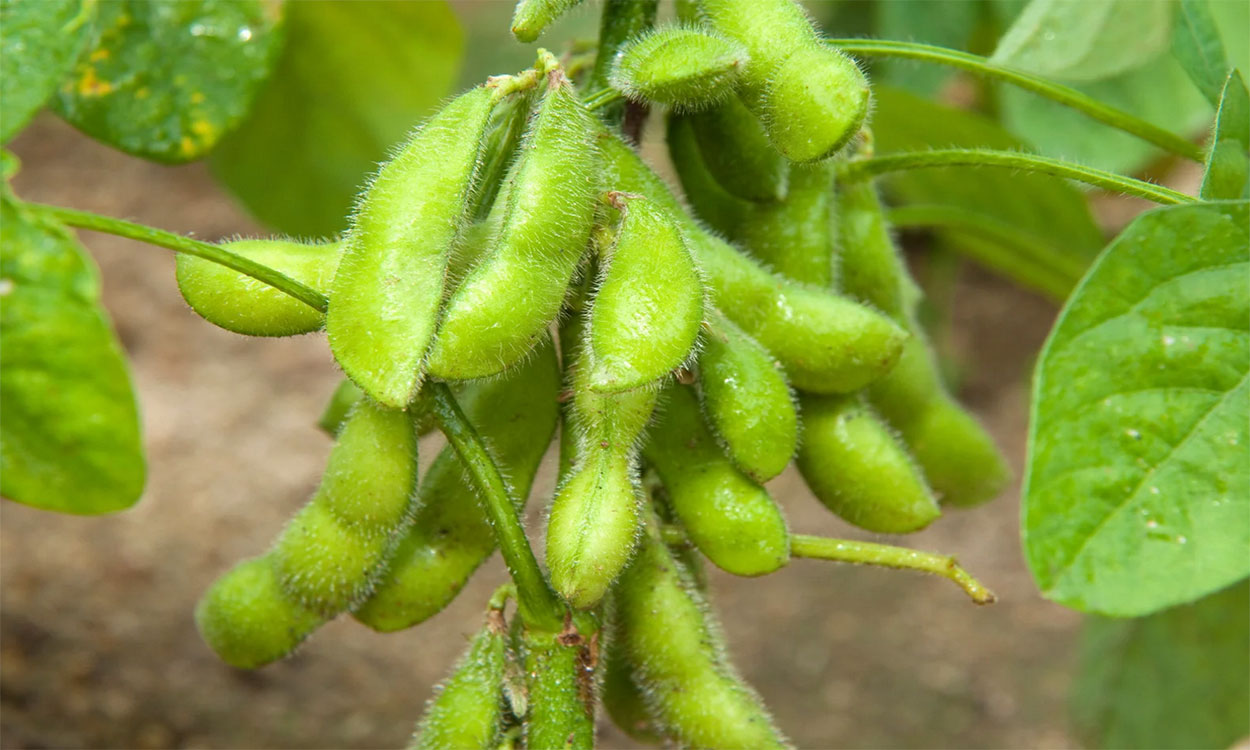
x=863, y=169
x=178, y=243
x=1028, y=260
x=621, y=21
x=1064, y=95
x=536, y=601
x=601, y=98
x=888, y=556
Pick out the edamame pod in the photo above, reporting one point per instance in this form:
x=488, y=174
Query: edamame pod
x=249, y=620
x=955, y=452
x=386, y=293
x=858, y=469
x=811, y=98
x=331, y=552
x=594, y=516
x=502, y=309
x=345, y=396
x=619, y=691
x=681, y=67
x=531, y=17
x=746, y=400
x=559, y=670
x=735, y=149
x=239, y=303
x=666, y=631
x=828, y=344
x=467, y=710
x=730, y=518
x=450, y=537
x=707, y=198
x=645, y=317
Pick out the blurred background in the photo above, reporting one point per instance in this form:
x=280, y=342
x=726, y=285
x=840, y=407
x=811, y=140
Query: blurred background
x=97, y=643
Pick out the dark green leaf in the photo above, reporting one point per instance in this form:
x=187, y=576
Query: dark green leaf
x=1197, y=46
x=39, y=41
x=1228, y=163
x=946, y=24
x=69, y=440
x=1137, y=493
x=1177, y=679
x=1050, y=213
x=1086, y=41
x=165, y=79
x=353, y=79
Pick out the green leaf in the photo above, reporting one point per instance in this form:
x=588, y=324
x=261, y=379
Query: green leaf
x=39, y=41
x=1137, y=493
x=1177, y=679
x=1086, y=41
x=1232, y=18
x=1050, y=215
x=946, y=24
x=69, y=440
x=165, y=79
x=353, y=79
x=1159, y=92
x=1197, y=46
x=1228, y=163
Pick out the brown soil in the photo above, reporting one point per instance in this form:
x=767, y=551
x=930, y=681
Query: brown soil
x=98, y=644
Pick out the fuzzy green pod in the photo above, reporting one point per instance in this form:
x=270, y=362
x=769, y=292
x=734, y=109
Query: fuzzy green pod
x=449, y=536
x=645, y=316
x=594, y=517
x=686, y=68
x=344, y=398
x=736, y=151
x=249, y=620
x=828, y=344
x=622, y=696
x=667, y=633
x=532, y=17
x=707, y=198
x=731, y=519
x=334, y=548
x=746, y=400
x=811, y=98
x=503, y=307
x=559, y=672
x=237, y=302
x=386, y=293
x=958, y=456
x=858, y=468
x=467, y=710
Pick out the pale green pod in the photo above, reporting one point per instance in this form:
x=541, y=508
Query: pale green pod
x=731, y=519
x=620, y=693
x=828, y=344
x=532, y=17
x=746, y=400
x=737, y=153
x=645, y=316
x=386, y=293
x=503, y=307
x=467, y=710
x=796, y=236
x=247, y=618
x=450, y=537
x=559, y=671
x=710, y=201
x=667, y=633
x=334, y=548
x=859, y=470
x=344, y=398
x=686, y=68
x=237, y=302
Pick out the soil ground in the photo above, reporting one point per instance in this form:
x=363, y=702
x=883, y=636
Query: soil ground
x=97, y=641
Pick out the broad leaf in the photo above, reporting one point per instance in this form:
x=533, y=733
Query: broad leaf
x=946, y=24
x=1050, y=215
x=165, y=79
x=1196, y=44
x=1176, y=679
x=1137, y=493
x=39, y=41
x=69, y=439
x=1228, y=163
x=1086, y=41
x=353, y=79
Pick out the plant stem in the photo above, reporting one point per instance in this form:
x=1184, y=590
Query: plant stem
x=537, y=603
x=888, y=556
x=1064, y=95
x=181, y=244
x=621, y=21
x=602, y=98
x=862, y=169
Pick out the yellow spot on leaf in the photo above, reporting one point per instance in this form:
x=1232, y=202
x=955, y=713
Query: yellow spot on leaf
x=186, y=145
x=197, y=97
x=89, y=84
x=204, y=129
x=143, y=93
x=100, y=54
